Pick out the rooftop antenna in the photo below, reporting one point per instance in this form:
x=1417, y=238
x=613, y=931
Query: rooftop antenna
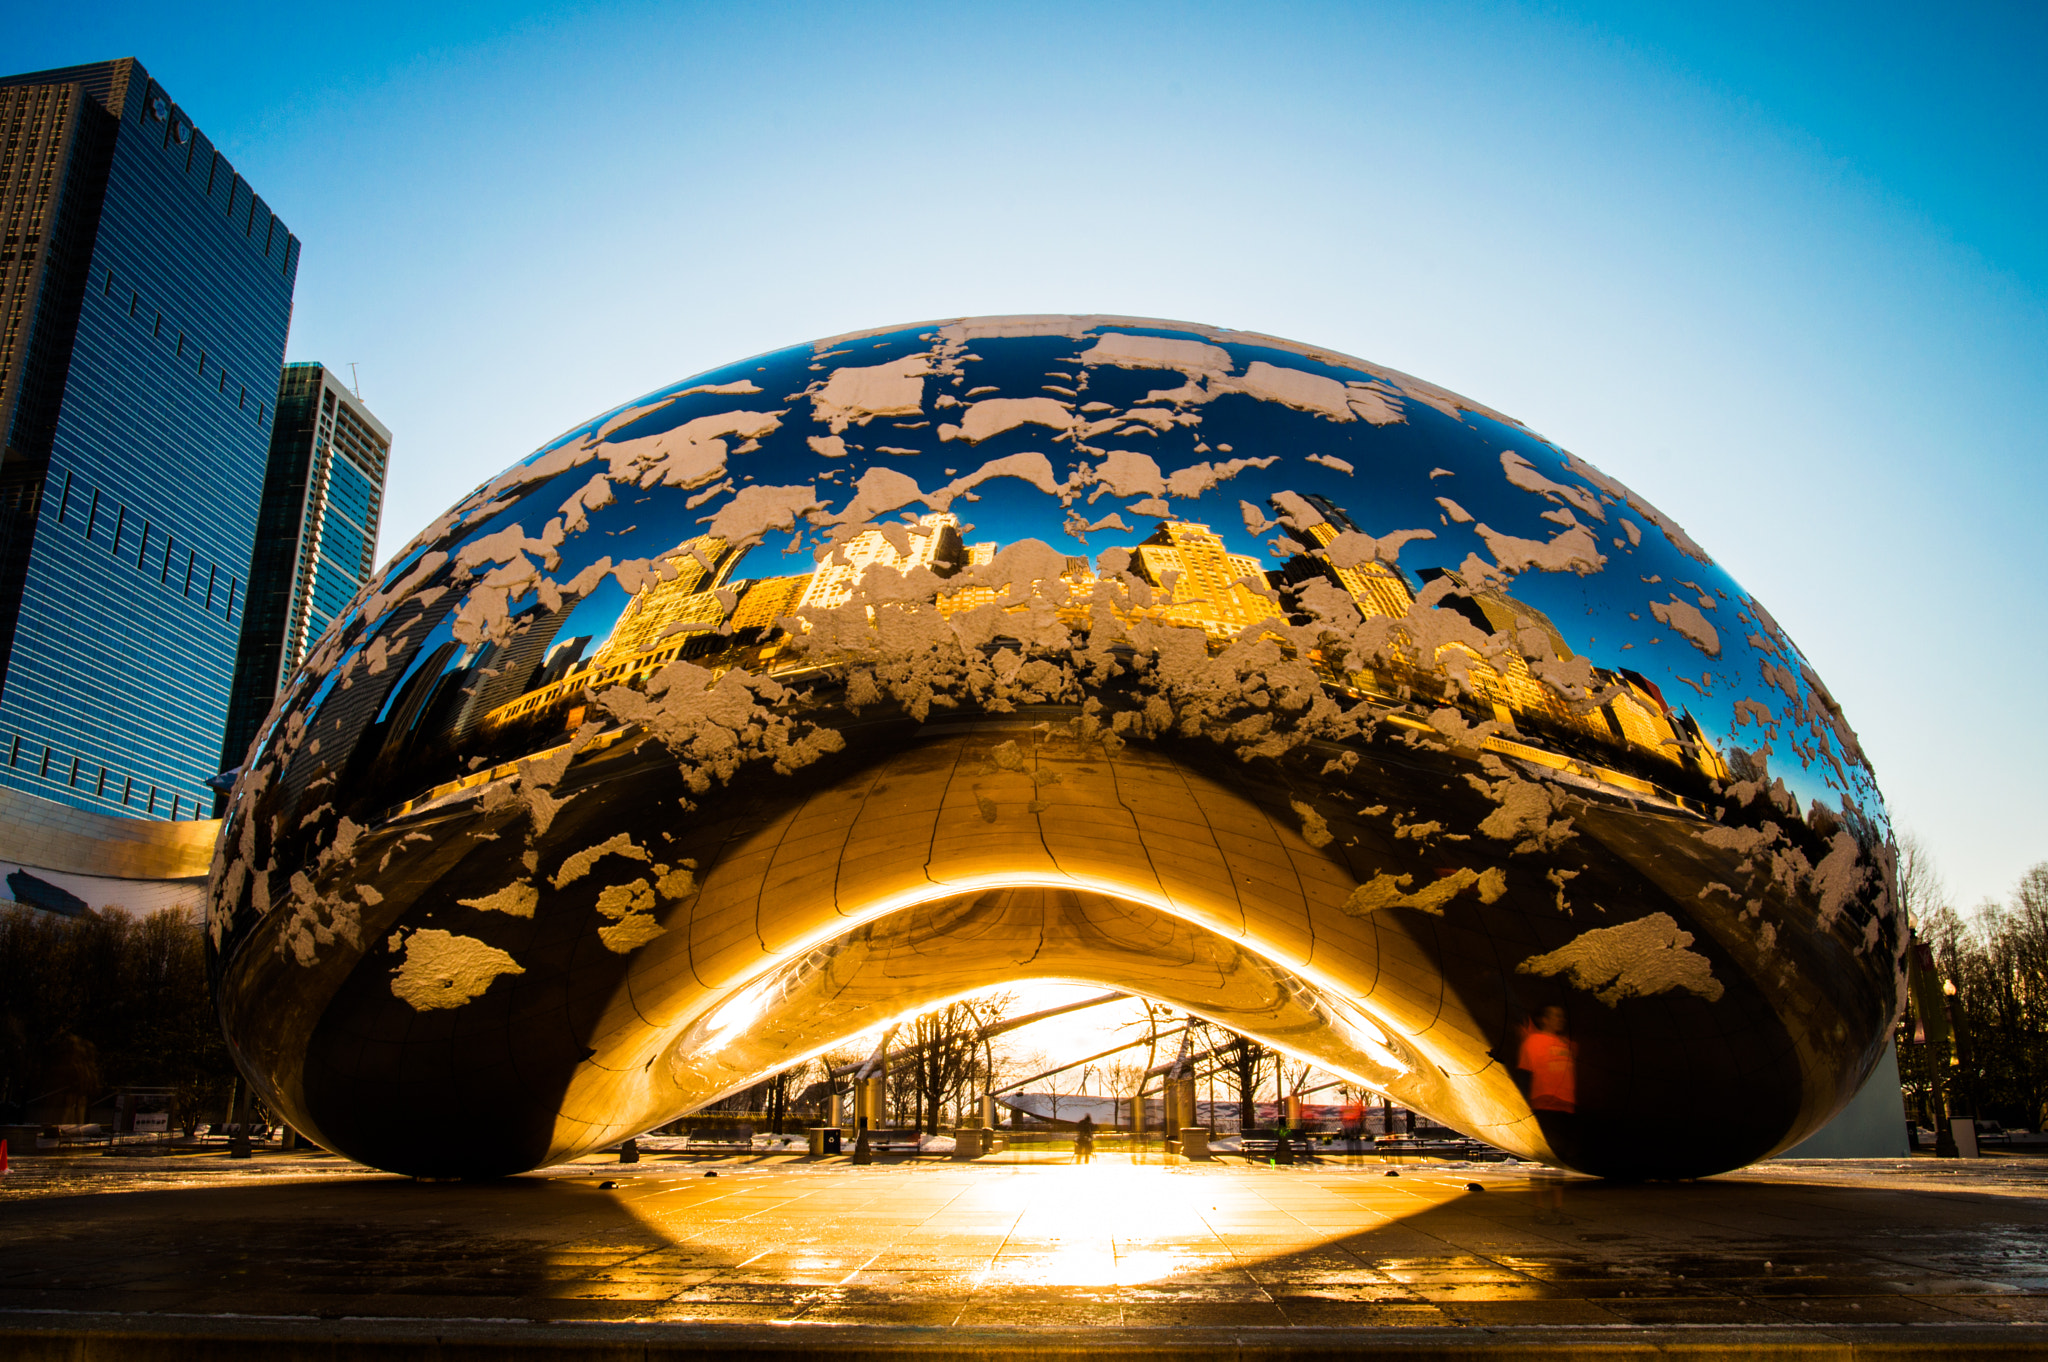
x=354, y=382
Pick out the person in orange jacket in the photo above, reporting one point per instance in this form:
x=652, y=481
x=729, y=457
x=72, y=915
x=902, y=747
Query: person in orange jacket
x=1551, y=1059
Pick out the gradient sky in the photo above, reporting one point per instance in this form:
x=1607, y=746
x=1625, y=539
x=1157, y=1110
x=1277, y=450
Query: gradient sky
x=1782, y=274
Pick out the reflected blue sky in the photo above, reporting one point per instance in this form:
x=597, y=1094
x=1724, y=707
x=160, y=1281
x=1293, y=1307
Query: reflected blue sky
x=1779, y=271
x=1435, y=476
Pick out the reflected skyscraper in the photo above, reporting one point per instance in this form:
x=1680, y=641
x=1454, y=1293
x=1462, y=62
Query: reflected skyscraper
x=323, y=495
x=933, y=542
x=1203, y=583
x=673, y=605
x=144, y=301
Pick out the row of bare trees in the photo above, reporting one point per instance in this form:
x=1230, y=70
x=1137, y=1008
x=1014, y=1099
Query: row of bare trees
x=104, y=1001
x=941, y=1063
x=1975, y=1038
x=939, y=1066
x=1223, y=1063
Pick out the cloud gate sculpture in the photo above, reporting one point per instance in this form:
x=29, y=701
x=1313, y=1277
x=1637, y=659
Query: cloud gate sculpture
x=1271, y=684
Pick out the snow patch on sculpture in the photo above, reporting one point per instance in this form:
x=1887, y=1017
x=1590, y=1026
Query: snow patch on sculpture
x=1687, y=620
x=998, y=414
x=1385, y=891
x=441, y=969
x=1638, y=959
x=856, y=396
x=517, y=899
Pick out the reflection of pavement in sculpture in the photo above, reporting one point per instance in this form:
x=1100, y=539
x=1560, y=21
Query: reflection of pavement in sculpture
x=846, y=680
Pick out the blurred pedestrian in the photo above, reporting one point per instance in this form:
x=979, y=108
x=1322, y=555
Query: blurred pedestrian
x=1084, y=1140
x=1551, y=1059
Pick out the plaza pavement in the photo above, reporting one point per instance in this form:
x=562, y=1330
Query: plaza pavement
x=293, y=1255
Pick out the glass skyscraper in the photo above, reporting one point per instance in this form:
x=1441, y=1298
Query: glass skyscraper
x=145, y=294
x=316, y=538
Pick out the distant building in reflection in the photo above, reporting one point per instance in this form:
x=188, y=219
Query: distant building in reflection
x=690, y=601
x=933, y=542
x=1378, y=588
x=954, y=602
x=765, y=603
x=1204, y=584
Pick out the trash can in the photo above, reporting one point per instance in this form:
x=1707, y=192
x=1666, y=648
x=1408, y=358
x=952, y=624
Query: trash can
x=824, y=1139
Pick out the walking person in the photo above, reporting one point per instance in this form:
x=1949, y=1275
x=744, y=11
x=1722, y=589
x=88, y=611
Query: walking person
x=1084, y=1140
x=1551, y=1059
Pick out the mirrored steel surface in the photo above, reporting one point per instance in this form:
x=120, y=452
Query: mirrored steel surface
x=1276, y=685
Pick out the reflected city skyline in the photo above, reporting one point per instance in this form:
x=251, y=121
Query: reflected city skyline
x=697, y=615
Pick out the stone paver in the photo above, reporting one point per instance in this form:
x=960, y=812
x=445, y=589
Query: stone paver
x=964, y=1248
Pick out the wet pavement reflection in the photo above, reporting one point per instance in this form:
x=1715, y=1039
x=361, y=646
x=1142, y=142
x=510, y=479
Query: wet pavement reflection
x=1030, y=1246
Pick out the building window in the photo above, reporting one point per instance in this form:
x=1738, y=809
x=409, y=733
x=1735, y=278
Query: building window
x=64, y=500
x=120, y=524
x=191, y=562
x=92, y=516
x=230, y=612
x=170, y=546
x=142, y=554
x=210, y=570
x=73, y=782
x=174, y=808
x=108, y=291
x=44, y=769
x=152, y=799
x=127, y=787
x=134, y=302
x=99, y=791
x=180, y=351
x=158, y=329
x=14, y=750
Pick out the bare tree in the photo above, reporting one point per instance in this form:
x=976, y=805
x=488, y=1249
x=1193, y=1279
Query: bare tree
x=1975, y=1039
x=948, y=1056
x=778, y=1091
x=1064, y=1083
x=1920, y=889
x=1248, y=1060
x=1121, y=1077
x=106, y=1000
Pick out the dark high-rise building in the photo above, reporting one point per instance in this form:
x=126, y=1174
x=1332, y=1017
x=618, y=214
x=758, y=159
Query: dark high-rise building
x=145, y=293
x=316, y=538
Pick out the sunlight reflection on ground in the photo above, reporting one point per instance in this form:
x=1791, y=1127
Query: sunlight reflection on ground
x=1084, y=1222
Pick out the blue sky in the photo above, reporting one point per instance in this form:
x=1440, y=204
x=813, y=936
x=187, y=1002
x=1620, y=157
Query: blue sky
x=1783, y=274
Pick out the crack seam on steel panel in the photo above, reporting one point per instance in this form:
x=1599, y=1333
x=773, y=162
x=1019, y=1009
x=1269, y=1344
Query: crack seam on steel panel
x=711, y=865
x=1300, y=887
x=780, y=837
x=1243, y=919
x=1116, y=783
x=839, y=863
x=932, y=839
